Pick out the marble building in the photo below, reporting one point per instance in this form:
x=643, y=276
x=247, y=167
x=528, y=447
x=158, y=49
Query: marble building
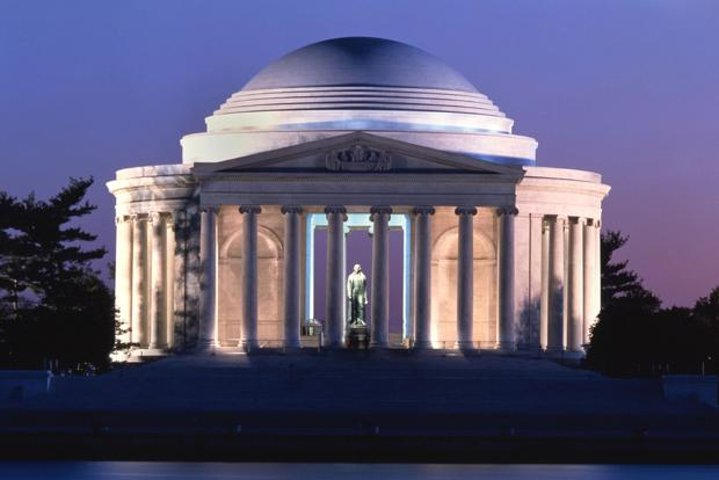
x=219, y=249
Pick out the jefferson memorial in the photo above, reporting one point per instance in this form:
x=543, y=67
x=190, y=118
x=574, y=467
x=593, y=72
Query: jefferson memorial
x=221, y=250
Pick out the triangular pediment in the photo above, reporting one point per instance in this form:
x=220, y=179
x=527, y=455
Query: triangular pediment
x=356, y=153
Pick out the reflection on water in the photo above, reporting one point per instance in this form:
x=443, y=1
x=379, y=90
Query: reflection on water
x=319, y=471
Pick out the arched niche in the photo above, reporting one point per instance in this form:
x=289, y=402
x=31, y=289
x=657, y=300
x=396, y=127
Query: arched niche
x=444, y=290
x=269, y=288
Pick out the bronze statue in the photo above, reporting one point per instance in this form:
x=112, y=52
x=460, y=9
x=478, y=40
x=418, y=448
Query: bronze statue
x=357, y=296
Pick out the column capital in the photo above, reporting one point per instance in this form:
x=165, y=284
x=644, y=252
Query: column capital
x=176, y=219
x=423, y=210
x=465, y=210
x=336, y=209
x=380, y=210
x=154, y=217
x=292, y=209
x=251, y=209
x=511, y=210
x=577, y=220
x=122, y=219
x=210, y=209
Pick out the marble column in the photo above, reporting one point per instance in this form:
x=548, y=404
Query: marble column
x=157, y=274
x=506, y=332
x=423, y=277
x=123, y=276
x=591, y=269
x=465, y=278
x=139, y=280
x=555, y=330
x=334, y=281
x=544, y=294
x=169, y=286
x=208, y=282
x=575, y=284
x=292, y=278
x=248, y=339
x=379, y=297
x=597, y=284
x=178, y=315
x=410, y=245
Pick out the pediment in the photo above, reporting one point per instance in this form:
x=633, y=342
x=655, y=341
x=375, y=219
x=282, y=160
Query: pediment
x=356, y=153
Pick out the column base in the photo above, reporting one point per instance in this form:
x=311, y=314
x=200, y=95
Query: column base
x=465, y=346
x=142, y=354
x=334, y=345
x=561, y=353
x=248, y=346
x=207, y=346
x=574, y=354
x=292, y=345
x=506, y=347
x=421, y=345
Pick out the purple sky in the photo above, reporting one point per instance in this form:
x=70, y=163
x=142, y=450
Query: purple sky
x=626, y=88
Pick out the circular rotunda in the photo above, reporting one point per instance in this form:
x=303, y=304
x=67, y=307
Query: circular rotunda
x=243, y=245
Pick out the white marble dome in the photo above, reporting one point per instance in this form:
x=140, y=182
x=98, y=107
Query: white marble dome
x=359, y=84
x=359, y=61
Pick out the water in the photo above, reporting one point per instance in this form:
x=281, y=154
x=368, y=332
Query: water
x=317, y=471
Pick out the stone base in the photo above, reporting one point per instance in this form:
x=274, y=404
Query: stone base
x=421, y=345
x=358, y=337
x=465, y=346
x=137, y=355
x=248, y=346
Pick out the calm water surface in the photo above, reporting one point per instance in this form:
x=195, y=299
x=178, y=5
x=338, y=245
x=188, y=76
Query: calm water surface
x=310, y=471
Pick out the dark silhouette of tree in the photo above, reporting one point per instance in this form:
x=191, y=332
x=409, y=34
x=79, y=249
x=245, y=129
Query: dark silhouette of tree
x=635, y=336
x=54, y=306
x=619, y=343
x=617, y=280
x=706, y=315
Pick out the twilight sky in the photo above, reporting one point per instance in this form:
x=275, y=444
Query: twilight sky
x=626, y=88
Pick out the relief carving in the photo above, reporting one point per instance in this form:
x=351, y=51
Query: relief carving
x=358, y=158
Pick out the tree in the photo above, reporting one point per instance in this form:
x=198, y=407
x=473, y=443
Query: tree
x=53, y=303
x=619, y=339
x=706, y=315
x=635, y=336
x=617, y=280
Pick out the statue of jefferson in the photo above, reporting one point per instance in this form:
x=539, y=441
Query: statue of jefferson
x=357, y=296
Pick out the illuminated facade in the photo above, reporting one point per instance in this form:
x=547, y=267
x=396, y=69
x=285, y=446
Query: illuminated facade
x=497, y=253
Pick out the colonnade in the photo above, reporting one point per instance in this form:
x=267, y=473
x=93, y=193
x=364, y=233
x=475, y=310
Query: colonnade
x=335, y=285
x=571, y=285
x=151, y=272
x=148, y=265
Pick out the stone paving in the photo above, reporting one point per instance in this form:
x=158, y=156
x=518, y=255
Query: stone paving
x=357, y=382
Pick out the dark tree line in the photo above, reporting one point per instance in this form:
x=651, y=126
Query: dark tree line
x=54, y=307
x=636, y=336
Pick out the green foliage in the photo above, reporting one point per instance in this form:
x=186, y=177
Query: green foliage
x=635, y=336
x=53, y=305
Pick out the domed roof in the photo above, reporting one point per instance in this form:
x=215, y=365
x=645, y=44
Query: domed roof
x=355, y=61
x=355, y=84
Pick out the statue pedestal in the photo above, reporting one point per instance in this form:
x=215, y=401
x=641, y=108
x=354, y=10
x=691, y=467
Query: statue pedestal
x=358, y=337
